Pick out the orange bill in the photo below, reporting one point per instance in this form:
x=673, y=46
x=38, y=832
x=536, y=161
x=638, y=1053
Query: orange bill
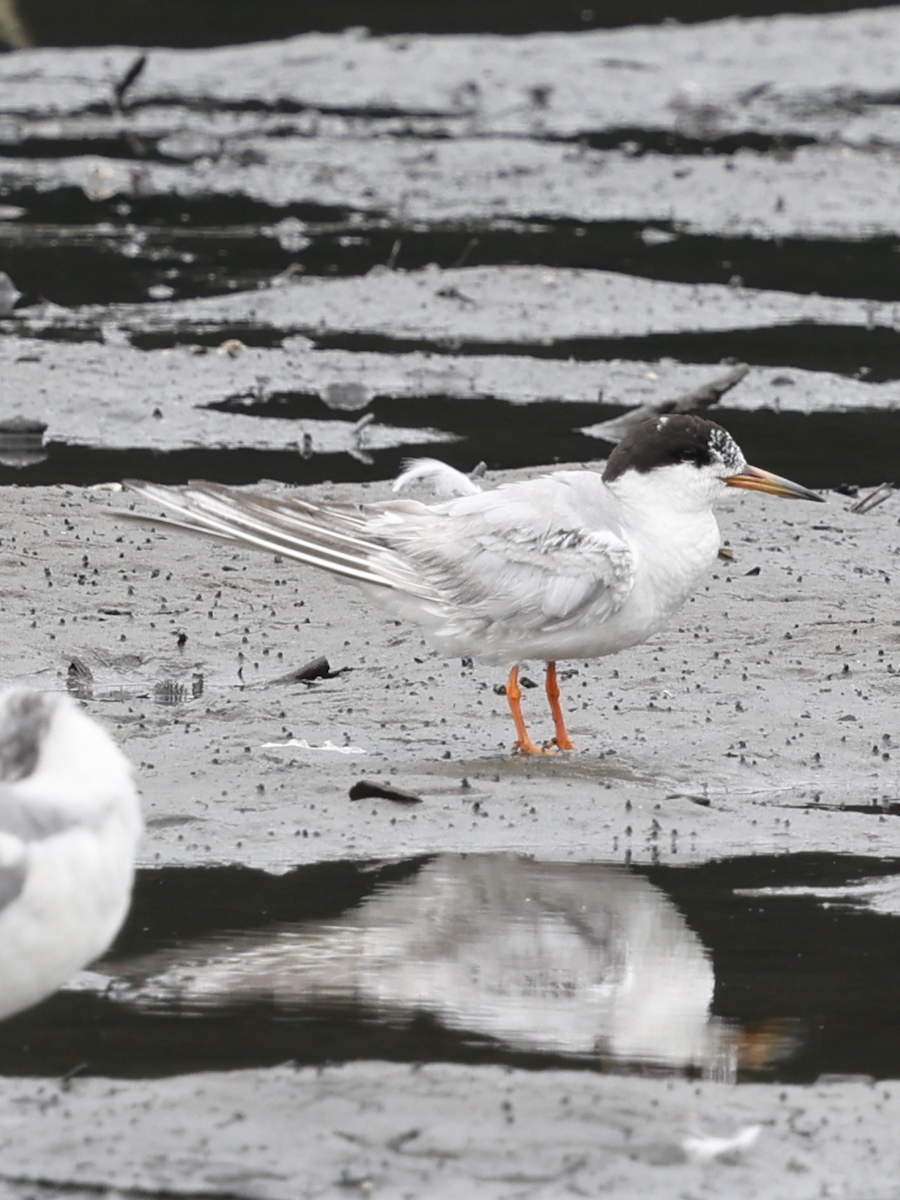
x=764, y=481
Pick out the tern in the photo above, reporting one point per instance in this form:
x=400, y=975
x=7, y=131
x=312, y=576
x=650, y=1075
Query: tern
x=69, y=827
x=573, y=564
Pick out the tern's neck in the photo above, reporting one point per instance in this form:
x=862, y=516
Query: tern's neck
x=678, y=524
x=675, y=491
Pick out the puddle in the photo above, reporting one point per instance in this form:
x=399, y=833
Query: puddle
x=772, y=968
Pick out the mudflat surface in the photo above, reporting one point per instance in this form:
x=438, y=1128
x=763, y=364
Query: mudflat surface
x=771, y=697
x=376, y=1129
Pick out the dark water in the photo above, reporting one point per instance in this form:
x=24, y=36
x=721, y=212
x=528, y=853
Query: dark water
x=825, y=450
x=219, y=22
x=770, y=968
x=75, y=251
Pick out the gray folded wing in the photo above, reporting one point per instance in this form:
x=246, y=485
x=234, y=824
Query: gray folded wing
x=537, y=554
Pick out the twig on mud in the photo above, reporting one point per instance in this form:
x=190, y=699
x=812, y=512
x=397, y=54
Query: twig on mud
x=867, y=503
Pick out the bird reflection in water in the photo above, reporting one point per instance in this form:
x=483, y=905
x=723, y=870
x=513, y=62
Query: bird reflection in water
x=580, y=960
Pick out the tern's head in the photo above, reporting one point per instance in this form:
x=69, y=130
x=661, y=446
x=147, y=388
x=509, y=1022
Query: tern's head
x=50, y=750
x=690, y=461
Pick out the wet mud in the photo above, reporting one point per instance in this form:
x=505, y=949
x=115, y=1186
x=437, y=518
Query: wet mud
x=187, y=644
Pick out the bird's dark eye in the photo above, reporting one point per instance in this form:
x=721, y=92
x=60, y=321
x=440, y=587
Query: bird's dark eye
x=697, y=455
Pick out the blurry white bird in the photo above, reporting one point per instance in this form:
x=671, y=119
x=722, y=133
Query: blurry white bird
x=575, y=564
x=69, y=826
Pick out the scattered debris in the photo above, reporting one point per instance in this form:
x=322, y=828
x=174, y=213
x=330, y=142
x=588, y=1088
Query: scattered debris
x=303, y=744
x=128, y=80
x=707, y=1149
x=357, y=450
x=362, y=423
x=453, y=293
x=867, y=503
x=366, y=789
x=695, y=798
x=169, y=691
x=291, y=235
x=467, y=250
x=80, y=680
x=346, y=397
x=394, y=254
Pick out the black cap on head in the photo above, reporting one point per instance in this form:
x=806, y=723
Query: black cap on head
x=675, y=438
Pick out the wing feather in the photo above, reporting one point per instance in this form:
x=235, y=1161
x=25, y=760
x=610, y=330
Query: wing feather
x=532, y=555
x=326, y=536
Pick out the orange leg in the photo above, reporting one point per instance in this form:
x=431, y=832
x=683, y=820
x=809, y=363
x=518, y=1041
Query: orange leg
x=514, y=695
x=562, y=739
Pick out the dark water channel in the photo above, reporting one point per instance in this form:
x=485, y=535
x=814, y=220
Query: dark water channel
x=219, y=22
x=74, y=251
x=768, y=968
x=825, y=450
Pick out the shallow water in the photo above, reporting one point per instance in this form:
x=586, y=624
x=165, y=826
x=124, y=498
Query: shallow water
x=767, y=968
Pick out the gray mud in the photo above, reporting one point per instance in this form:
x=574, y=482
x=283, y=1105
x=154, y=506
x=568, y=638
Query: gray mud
x=805, y=75
x=390, y=1131
x=767, y=706
x=525, y=305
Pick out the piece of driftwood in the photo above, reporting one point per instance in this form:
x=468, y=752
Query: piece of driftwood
x=366, y=789
x=696, y=400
